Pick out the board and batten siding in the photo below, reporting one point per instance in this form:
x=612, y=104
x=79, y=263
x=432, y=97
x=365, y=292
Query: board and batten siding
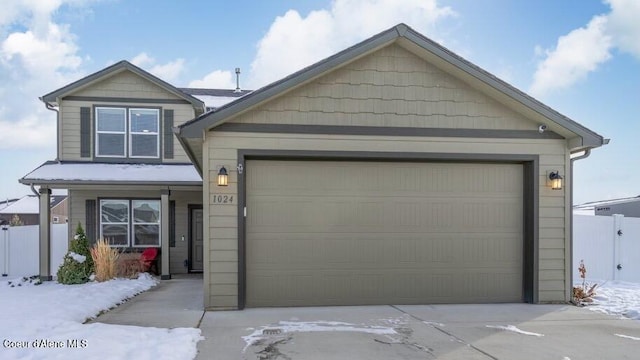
x=179, y=253
x=220, y=226
x=122, y=85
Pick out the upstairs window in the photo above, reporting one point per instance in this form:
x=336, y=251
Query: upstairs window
x=127, y=132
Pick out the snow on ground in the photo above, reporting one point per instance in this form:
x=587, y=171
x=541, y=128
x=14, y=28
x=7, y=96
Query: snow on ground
x=514, y=329
x=617, y=298
x=46, y=322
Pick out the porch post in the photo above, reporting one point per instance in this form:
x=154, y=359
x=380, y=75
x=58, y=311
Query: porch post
x=45, y=234
x=164, y=242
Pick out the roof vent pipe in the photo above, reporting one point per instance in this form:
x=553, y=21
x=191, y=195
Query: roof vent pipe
x=238, y=80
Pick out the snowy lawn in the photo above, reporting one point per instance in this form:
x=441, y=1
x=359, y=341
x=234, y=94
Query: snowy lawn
x=46, y=322
x=617, y=298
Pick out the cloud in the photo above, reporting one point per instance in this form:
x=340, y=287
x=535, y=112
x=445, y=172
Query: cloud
x=623, y=25
x=37, y=56
x=220, y=79
x=583, y=50
x=168, y=72
x=293, y=41
x=576, y=54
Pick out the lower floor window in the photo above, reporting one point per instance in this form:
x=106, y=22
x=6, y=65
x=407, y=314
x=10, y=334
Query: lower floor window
x=125, y=223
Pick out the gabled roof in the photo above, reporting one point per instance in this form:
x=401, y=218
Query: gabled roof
x=118, y=67
x=399, y=33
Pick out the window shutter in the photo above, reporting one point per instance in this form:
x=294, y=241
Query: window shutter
x=90, y=221
x=172, y=223
x=85, y=132
x=168, y=134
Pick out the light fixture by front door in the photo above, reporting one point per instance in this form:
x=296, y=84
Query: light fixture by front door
x=555, y=180
x=223, y=177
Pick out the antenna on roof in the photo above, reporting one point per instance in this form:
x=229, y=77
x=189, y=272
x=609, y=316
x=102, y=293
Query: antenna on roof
x=238, y=80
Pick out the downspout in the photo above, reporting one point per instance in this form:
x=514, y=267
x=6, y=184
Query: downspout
x=34, y=191
x=53, y=108
x=586, y=154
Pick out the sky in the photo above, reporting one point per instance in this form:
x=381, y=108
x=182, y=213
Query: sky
x=581, y=57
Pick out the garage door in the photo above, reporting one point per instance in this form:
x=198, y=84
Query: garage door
x=358, y=233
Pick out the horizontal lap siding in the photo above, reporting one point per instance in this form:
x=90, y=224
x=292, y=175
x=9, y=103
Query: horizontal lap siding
x=222, y=222
x=393, y=88
x=179, y=253
x=121, y=85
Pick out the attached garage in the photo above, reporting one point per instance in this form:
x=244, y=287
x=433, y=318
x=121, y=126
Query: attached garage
x=354, y=233
x=394, y=172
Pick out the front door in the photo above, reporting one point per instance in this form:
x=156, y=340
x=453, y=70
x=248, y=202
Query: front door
x=196, y=239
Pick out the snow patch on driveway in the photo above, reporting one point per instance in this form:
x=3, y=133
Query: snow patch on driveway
x=514, y=329
x=284, y=327
x=627, y=337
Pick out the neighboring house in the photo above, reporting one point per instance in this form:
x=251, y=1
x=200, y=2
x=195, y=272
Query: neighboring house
x=629, y=207
x=27, y=210
x=7, y=202
x=393, y=172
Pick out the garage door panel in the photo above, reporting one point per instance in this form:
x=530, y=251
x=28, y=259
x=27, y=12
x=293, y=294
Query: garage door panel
x=344, y=233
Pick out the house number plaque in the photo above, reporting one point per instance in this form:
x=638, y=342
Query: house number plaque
x=222, y=199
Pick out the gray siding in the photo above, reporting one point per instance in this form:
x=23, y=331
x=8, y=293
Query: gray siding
x=392, y=88
x=182, y=199
x=121, y=85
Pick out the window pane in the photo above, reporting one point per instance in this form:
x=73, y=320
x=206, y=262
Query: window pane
x=111, y=119
x=144, y=145
x=146, y=211
x=115, y=234
x=148, y=235
x=110, y=144
x=144, y=120
x=114, y=211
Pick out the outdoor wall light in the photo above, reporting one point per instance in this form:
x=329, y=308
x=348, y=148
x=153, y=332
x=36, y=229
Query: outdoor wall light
x=555, y=180
x=223, y=177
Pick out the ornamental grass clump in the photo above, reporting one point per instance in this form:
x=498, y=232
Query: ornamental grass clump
x=106, y=260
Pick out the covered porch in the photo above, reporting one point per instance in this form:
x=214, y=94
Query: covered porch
x=132, y=206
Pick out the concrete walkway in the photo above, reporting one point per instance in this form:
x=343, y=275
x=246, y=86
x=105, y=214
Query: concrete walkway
x=172, y=303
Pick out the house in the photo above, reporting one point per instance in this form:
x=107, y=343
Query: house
x=26, y=210
x=629, y=207
x=129, y=181
x=393, y=172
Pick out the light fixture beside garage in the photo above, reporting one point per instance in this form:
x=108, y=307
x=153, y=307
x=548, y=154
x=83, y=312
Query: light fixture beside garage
x=555, y=180
x=223, y=177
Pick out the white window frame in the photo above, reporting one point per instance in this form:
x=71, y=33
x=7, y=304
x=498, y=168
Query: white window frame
x=134, y=223
x=156, y=134
x=123, y=133
x=128, y=133
x=56, y=219
x=131, y=223
x=117, y=223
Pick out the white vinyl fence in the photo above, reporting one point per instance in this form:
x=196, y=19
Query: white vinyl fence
x=609, y=246
x=20, y=249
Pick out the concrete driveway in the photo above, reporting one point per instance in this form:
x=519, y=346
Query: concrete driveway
x=502, y=331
